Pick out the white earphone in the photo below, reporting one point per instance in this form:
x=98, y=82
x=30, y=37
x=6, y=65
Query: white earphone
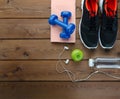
x=67, y=61
x=66, y=47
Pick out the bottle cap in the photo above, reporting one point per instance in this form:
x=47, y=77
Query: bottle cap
x=91, y=63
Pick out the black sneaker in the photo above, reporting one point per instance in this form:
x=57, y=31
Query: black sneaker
x=89, y=24
x=109, y=23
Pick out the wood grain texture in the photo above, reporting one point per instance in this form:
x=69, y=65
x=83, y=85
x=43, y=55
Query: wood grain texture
x=24, y=28
x=45, y=70
x=30, y=29
x=28, y=59
x=60, y=90
x=24, y=8
x=30, y=8
x=43, y=49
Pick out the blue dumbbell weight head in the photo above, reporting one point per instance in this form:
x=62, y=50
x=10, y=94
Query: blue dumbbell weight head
x=70, y=29
x=63, y=35
x=53, y=20
x=66, y=16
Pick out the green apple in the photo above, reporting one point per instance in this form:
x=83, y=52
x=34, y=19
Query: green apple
x=77, y=55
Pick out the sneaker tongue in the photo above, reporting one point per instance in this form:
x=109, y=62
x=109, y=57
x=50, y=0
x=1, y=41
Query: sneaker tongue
x=110, y=7
x=92, y=7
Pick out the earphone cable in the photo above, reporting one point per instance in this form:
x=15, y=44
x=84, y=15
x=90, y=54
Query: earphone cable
x=72, y=76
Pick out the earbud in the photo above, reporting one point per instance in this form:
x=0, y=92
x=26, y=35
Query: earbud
x=67, y=61
x=66, y=48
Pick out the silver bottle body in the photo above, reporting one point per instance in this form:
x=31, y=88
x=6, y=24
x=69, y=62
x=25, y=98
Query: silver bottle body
x=105, y=63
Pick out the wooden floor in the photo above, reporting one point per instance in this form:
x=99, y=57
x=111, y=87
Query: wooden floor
x=28, y=59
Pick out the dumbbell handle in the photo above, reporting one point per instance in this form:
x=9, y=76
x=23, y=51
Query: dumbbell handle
x=65, y=20
x=64, y=34
x=60, y=23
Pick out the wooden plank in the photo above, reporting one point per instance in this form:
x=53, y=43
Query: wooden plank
x=24, y=28
x=29, y=28
x=43, y=49
x=45, y=70
x=59, y=90
x=24, y=8
x=31, y=8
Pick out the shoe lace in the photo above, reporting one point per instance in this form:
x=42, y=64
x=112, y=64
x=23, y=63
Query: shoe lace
x=109, y=23
x=92, y=24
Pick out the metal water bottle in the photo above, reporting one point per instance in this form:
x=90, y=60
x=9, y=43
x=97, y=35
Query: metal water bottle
x=105, y=63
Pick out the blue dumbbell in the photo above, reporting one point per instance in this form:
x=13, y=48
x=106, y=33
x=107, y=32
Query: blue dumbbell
x=53, y=20
x=66, y=16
